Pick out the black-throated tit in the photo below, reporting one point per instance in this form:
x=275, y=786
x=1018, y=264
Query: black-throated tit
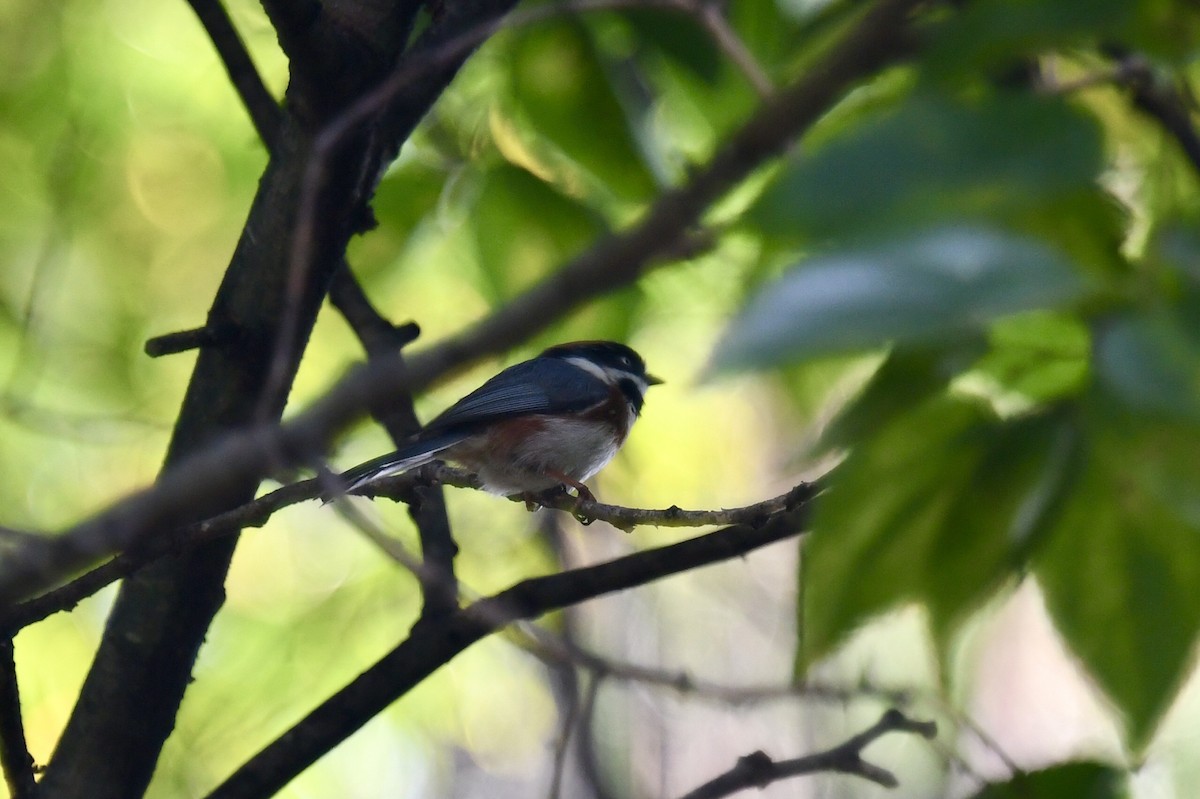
x=554, y=420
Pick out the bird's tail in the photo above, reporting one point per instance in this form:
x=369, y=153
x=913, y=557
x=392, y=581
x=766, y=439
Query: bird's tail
x=403, y=459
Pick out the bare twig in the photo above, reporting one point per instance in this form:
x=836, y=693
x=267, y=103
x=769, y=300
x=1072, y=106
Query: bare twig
x=708, y=14
x=430, y=646
x=264, y=111
x=758, y=770
x=565, y=677
x=426, y=504
x=578, y=715
x=182, y=341
x=14, y=752
x=623, y=518
x=545, y=647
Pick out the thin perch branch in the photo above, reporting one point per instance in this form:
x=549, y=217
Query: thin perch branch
x=758, y=770
x=257, y=512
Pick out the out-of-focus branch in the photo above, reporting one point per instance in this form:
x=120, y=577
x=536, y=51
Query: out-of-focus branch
x=426, y=504
x=566, y=652
x=709, y=14
x=757, y=770
x=1169, y=105
x=15, y=759
x=431, y=646
x=262, y=107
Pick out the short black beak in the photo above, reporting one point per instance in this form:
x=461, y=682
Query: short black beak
x=651, y=380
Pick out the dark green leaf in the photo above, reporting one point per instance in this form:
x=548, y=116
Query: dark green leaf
x=560, y=85
x=915, y=289
x=934, y=160
x=903, y=520
x=679, y=38
x=1026, y=470
x=992, y=33
x=1121, y=570
x=905, y=379
x=1038, y=356
x=1151, y=362
x=524, y=228
x=1068, y=781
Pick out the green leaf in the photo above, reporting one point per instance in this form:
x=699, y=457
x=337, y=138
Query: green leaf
x=560, y=85
x=934, y=160
x=1068, y=781
x=906, y=378
x=1123, y=562
x=1025, y=472
x=524, y=228
x=998, y=33
x=917, y=289
x=679, y=38
x=940, y=506
x=1151, y=361
x=1039, y=356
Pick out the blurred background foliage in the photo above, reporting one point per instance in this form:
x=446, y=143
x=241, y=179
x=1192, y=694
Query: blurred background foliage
x=973, y=290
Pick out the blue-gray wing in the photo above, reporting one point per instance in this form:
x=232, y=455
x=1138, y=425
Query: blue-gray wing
x=541, y=385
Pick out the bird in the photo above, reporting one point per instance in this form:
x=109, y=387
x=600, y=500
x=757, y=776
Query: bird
x=547, y=423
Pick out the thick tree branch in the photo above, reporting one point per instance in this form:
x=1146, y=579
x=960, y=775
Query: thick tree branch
x=14, y=752
x=431, y=646
x=296, y=26
x=757, y=770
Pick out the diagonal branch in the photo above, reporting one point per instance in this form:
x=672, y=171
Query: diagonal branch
x=757, y=770
x=431, y=646
x=1169, y=105
x=14, y=752
x=426, y=504
x=264, y=111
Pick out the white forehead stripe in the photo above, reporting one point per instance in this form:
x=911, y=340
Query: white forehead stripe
x=609, y=375
x=591, y=368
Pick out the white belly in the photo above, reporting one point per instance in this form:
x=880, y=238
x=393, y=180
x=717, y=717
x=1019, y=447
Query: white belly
x=577, y=449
